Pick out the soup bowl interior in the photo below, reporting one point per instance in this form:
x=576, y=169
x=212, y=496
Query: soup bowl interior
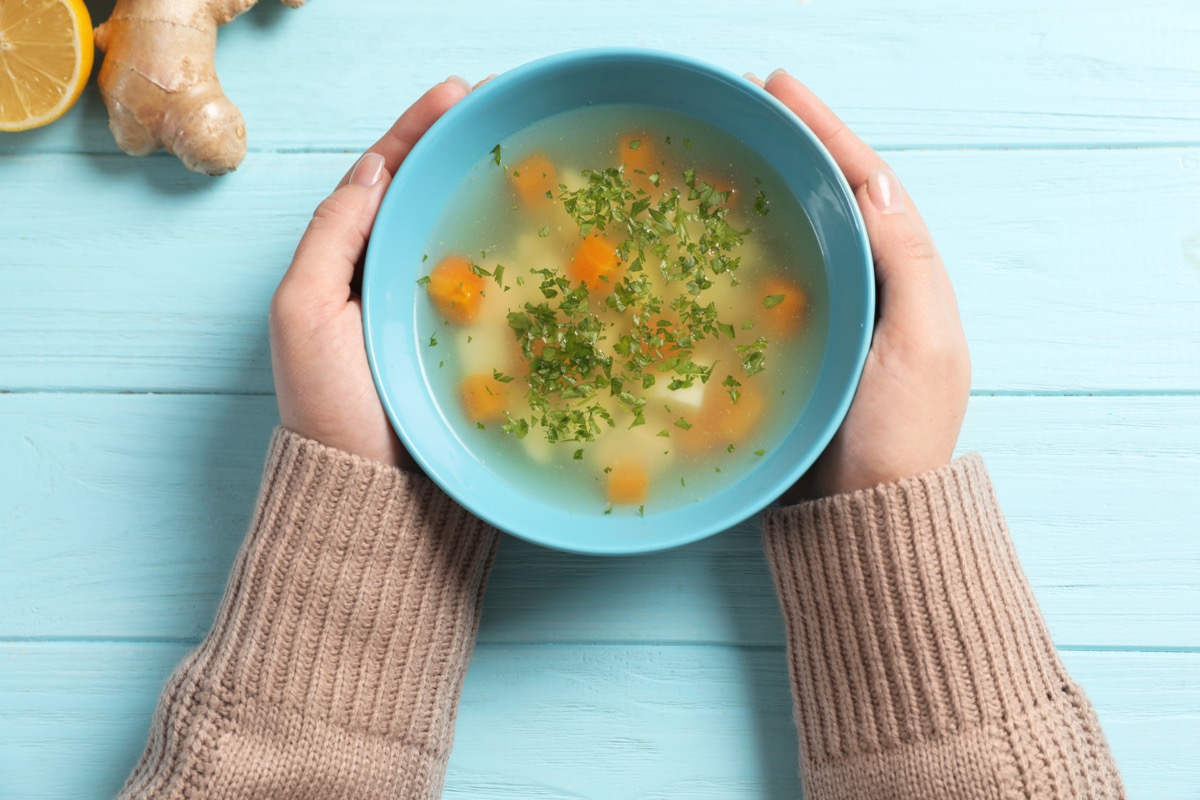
x=395, y=310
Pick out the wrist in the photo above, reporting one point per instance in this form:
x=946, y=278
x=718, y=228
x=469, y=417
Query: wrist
x=833, y=479
x=384, y=447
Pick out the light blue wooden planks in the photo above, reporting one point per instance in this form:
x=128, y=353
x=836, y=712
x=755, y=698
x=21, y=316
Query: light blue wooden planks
x=126, y=512
x=604, y=723
x=938, y=73
x=1077, y=271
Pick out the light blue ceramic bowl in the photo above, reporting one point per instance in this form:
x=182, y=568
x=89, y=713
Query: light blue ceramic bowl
x=392, y=300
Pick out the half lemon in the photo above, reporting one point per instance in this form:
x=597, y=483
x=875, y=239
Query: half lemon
x=45, y=60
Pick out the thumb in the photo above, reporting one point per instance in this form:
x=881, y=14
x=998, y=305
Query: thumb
x=337, y=235
x=914, y=289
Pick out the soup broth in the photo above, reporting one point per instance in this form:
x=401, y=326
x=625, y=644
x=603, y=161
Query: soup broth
x=625, y=310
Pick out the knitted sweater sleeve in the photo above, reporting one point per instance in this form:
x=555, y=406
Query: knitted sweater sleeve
x=920, y=664
x=334, y=665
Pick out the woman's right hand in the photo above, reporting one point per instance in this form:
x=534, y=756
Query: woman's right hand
x=323, y=383
x=910, y=402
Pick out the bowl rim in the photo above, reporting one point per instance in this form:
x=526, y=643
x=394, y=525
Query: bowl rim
x=598, y=56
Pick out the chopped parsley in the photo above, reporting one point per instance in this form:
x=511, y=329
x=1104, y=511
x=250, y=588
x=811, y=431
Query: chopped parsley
x=760, y=204
x=673, y=245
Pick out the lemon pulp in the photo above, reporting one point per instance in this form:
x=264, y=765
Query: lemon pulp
x=45, y=59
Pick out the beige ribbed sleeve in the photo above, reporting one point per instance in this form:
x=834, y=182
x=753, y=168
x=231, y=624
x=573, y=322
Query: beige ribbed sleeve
x=334, y=665
x=921, y=666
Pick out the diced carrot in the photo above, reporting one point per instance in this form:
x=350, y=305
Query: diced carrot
x=784, y=317
x=721, y=184
x=733, y=422
x=637, y=151
x=627, y=483
x=720, y=421
x=668, y=333
x=595, y=264
x=484, y=398
x=532, y=178
x=456, y=290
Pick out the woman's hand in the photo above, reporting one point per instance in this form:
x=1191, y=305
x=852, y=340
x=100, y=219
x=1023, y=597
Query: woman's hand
x=910, y=403
x=322, y=381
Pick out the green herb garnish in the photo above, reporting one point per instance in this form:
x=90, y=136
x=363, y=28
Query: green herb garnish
x=760, y=204
x=578, y=366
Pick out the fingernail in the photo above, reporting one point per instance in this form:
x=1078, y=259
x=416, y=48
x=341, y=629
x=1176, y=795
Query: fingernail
x=750, y=76
x=884, y=189
x=776, y=74
x=368, y=170
x=459, y=80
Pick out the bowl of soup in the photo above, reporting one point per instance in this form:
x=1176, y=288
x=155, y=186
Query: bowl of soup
x=616, y=301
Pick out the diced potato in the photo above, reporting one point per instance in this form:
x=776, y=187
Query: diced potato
x=538, y=448
x=753, y=259
x=688, y=399
x=572, y=178
x=485, y=351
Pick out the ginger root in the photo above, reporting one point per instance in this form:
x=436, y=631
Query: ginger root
x=160, y=83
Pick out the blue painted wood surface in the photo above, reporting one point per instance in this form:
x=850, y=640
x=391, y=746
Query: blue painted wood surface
x=1054, y=148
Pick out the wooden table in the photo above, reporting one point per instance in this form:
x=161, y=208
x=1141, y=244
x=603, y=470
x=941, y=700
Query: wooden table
x=1054, y=148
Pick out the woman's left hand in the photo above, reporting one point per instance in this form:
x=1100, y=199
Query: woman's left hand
x=323, y=383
